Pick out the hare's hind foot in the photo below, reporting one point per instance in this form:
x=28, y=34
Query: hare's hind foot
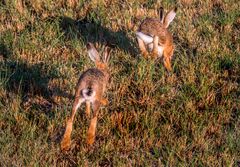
x=92, y=131
x=65, y=144
x=90, y=139
x=145, y=54
x=154, y=55
x=66, y=141
x=167, y=64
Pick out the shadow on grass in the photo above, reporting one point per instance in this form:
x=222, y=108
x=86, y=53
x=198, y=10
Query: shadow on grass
x=89, y=31
x=4, y=51
x=30, y=83
x=27, y=81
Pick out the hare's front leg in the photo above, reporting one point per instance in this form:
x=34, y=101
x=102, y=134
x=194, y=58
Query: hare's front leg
x=66, y=141
x=142, y=47
x=93, y=124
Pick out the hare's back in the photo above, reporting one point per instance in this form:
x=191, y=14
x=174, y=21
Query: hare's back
x=92, y=75
x=152, y=27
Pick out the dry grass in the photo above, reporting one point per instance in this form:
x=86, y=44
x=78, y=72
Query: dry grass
x=190, y=117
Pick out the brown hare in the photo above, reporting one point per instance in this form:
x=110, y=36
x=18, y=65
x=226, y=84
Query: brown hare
x=90, y=89
x=154, y=35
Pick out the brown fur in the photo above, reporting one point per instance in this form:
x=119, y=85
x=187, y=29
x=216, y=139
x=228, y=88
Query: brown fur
x=94, y=80
x=155, y=28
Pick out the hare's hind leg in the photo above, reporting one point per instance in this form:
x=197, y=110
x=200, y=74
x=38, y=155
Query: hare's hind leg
x=104, y=101
x=167, y=56
x=155, y=47
x=167, y=64
x=142, y=47
x=93, y=124
x=66, y=141
x=88, y=109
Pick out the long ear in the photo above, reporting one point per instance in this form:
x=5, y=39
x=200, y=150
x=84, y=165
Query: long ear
x=169, y=17
x=106, y=55
x=161, y=14
x=92, y=52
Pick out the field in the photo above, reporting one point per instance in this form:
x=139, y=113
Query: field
x=189, y=117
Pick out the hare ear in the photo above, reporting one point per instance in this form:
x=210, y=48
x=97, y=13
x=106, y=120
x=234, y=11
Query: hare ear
x=92, y=52
x=106, y=55
x=161, y=14
x=169, y=17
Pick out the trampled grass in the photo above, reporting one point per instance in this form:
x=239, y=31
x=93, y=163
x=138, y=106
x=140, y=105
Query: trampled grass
x=190, y=117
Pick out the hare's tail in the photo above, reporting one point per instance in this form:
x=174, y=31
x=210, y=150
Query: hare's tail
x=146, y=38
x=88, y=93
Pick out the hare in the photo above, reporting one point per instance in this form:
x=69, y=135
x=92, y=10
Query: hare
x=90, y=89
x=154, y=34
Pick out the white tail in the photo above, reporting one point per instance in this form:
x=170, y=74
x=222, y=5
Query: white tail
x=88, y=93
x=146, y=38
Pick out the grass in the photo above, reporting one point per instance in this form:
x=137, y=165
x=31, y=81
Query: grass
x=188, y=118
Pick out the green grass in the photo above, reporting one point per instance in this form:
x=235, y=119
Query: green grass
x=188, y=118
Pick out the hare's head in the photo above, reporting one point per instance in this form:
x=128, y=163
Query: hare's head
x=101, y=63
x=168, y=18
